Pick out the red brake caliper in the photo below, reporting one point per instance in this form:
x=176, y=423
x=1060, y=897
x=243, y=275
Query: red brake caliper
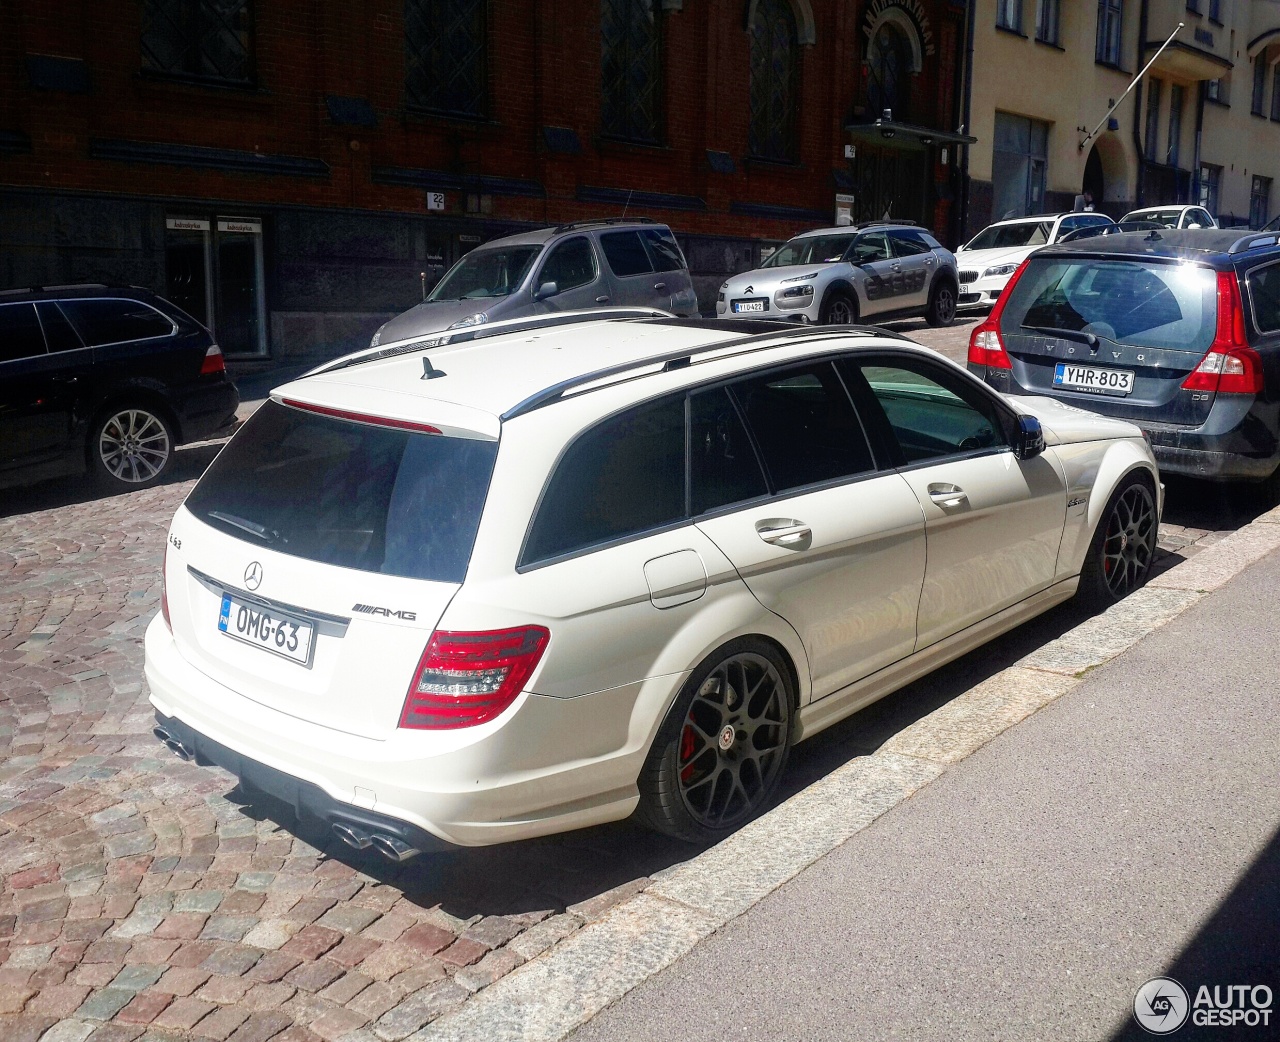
x=687, y=742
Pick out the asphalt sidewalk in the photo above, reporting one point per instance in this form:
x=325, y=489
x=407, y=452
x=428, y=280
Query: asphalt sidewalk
x=1126, y=830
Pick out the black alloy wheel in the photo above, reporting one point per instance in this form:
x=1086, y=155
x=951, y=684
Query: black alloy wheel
x=1124, y=546
x=942, y=305
x=839, y=310
x=721, y=751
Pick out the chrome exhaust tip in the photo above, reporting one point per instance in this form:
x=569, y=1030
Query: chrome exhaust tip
x=392, y=848
x=353, y=837
x=185, y=752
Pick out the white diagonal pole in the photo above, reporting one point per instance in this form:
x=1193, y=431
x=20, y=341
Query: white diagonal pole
x=1136, y=80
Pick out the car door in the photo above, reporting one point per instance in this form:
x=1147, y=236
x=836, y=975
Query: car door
x=916, y=266
x=634, y=280
x=572, y=265
x=880, y=284
x=38, y=388
x=670, y=272
x=993, y=522
x=837, y=547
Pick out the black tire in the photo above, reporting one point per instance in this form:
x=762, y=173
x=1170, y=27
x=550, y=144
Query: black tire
x=942, y=303
x=130, y=446
x=1123, y=545
x=839, y=308
x=695, y=787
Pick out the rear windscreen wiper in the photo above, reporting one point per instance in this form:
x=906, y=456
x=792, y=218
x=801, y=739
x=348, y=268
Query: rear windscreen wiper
x=245, y=525
x=1077, y=335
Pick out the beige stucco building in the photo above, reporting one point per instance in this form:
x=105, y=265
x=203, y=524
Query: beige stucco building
x=1203, y=125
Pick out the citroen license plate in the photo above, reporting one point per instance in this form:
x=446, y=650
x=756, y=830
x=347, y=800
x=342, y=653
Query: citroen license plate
x=748, y=307
x=1092, y=379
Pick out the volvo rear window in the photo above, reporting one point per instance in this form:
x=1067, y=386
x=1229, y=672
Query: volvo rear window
x=349, y=494
x=1141, y=303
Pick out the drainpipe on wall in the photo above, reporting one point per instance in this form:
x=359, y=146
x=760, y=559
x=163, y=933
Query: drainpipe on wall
x=1138, y=193
x=1195, y=169
x=966, y=100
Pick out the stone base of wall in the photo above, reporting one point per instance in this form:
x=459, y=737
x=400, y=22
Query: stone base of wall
x=319, y=335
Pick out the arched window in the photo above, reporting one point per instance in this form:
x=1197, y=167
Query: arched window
x=888, y=66
x=446, y=47
x=631, y=69
x=775, y=68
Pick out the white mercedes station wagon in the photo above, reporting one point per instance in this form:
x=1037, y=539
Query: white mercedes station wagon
x=537, y=576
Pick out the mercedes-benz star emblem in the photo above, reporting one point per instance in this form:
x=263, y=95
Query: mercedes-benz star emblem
x=253, y=576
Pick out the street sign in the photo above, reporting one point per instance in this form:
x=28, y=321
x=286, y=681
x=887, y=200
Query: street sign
x=851, y=151
x=435, y=200
x=844, y=210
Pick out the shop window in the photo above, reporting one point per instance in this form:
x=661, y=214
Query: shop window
x=631, y=69
x=446, y=50
x=775, y=74
x=1018, y=166
x=198, y=39
x=1210, y=179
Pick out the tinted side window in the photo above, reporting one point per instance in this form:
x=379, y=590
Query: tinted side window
x=723, y=468
x=57, y=330
x=805, y=425
x=932, y=418
x=870, y=248
x=623, y=476
x=20, y=335
x=108, y=321
x=907, y=244
x=663, y=251
x=571, y=264
x=1264, y=293
x=625, y=253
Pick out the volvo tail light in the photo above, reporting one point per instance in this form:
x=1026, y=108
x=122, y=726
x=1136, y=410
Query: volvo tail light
x=213, y=362
x=1230, y=366
x=986, y=345
x=464, y=679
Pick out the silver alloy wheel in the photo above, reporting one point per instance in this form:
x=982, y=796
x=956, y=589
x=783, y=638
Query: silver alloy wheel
x=839, y=312
x=134, y=446
x=945, y=309
x=733, y=741
x=1130, y=540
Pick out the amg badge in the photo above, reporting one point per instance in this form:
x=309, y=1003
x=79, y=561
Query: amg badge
x=373, y=609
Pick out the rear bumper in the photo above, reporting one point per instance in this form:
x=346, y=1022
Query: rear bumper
x=546, y=765
x=204, y=410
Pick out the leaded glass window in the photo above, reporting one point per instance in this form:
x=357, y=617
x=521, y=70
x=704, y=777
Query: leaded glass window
x=888, y=63
x=775, y=68
x=199, y=39
x=446, y=45
x=631, y=69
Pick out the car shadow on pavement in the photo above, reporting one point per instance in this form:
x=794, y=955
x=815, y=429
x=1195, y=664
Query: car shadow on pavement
x=1239, y=944
x=189, y=462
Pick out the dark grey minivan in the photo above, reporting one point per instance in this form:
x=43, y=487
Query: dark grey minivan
x=572, y=267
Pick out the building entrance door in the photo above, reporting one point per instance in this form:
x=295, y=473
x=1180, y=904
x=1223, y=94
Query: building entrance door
x=214, y=272
x=890, y=183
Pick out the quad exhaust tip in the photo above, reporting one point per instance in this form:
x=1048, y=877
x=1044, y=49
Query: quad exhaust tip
x=391, y=847
x=185, y=752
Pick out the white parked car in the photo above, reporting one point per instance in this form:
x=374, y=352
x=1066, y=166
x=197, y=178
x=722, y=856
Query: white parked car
x=991, y=256
x=543, y=577
x=1173, y=216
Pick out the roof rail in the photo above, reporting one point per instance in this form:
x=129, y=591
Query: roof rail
x=682, y=358
x=51, y=289
x=880, y=223
x=450, y=337
x=1254, y=241
x=595, y=221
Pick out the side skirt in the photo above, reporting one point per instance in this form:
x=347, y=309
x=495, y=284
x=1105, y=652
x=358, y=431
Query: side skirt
x=835, y=707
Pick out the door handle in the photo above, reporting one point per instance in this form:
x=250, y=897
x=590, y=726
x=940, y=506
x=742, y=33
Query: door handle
x=602, y=299
x=948, y=496
x=659, y=285
x=794, y=535
x=896, y=266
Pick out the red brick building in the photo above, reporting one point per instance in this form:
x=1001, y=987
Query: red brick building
x=276, y=167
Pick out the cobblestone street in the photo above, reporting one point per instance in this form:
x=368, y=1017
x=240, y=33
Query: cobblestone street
x=146, y=897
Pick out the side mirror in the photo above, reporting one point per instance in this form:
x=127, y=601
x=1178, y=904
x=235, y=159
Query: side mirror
x=1030, y=439
x=547, y=289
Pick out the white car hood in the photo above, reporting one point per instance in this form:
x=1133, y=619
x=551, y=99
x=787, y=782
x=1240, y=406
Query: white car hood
x=984, y=259
x=1064, y=424
x=763, y=281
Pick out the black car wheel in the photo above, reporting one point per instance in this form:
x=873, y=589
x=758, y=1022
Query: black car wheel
x=942, y=304
x=839, y=309
x=721, y=750
x=130, y=447
x=1123, y=547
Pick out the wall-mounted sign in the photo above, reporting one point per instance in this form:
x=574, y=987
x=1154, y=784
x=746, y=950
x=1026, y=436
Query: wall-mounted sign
x=435, y=200
x=851, y=151
x=233, y=224
x=844, y=210
x=468, y=238
x=185, y=224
